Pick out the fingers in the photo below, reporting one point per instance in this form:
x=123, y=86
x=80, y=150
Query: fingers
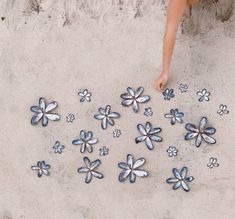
x=159, y=86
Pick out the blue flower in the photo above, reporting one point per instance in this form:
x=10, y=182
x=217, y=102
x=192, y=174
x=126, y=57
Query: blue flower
x=43, y=112
x=203, y=95
x=90, y=169
x=180, y=179
x=86, y=141
x=85, y=95
x=131, y=169
x=104, y=151
x=222, y=110
x=116, y=133
x=172, y=151
x=183, y=88
x=106, y=116
x=70, y=117
x=175, y=116
x=134, y=98
x=148, y=135
x=58, y=148
x=213, y=163
x=148, y=112
x=41, y=168
x=168, y=94
x=200, y=133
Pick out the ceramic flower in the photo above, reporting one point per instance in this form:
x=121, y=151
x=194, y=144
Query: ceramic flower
x=148, y=112
x=175, y=116
x=58, y=148
x=90, y=169
x=117, y=133
x=172, y=151
x=222, y=110
x=131, y=169
x=202, y=132
x=104, y=151
x=106, y=116
x=42, y=168
x=148, y=135
x=134, y=98
x=213, y=163
x=183, y=88
x=43, y=112
x=180, y=179
x=70, y=117
x=203, y=95
x=86, y=141
x=85, y=95
x=168, y=94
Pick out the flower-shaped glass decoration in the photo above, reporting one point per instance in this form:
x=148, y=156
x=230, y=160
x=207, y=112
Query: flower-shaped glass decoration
x=148, y=112
x=104, y=151
x=134, y=98
x=213, y=163
x=70, y=117
x=203, y=95
x=172, y=151
x=117, y=133
x=175, y=116
x=131, y=169
x=148, y=135
x=86, y=141
x=43, y=112
x=42, y=168
x=90, y=169
x=180, y=179
x=58, y=148
x=106, y=116
x=168, y=94
x=85, y=95
x=222, y=110
x=202, y=132
x=183, y=88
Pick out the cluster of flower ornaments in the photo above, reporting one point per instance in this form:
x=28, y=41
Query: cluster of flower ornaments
x=132, y=168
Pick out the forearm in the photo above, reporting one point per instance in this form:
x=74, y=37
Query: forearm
x=174, y=14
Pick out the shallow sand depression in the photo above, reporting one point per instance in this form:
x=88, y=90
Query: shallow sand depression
x=56, y=49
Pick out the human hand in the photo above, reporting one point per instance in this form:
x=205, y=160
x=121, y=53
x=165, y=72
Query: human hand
x=161, y=81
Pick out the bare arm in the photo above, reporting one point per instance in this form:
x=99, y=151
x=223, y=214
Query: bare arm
x=175, y=12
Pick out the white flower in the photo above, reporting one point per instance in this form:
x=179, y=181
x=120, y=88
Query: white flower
x=41, y=168
x=85, y=95
x=70, y=117
x=104, y=151
x=212, y=163
x=222, y=110
x=43, y=112
x=90, y=169
x=131, y=169
x=183, y=88
x=58, y=148
x=148, y=112
x=116, y=133
x=175, y=115
x=168, y=94
x=203, y=95
x=172, y=151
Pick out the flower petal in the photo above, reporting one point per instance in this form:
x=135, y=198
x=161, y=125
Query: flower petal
x=135, y=106
x=44, y=121
x=149, y=143
x=140, y=139
x=184, y=171
x=172, y=180
x=88, y=177
x=139, y=163
x=83, y=169
x=198, y=140
x=126, y=96
x=189, y=179
x=42, y=104
x=130, y=160
x=143, y=99
x=127, y=102
x=114, y=115
x=52, y=116
x=155, y=138
x=155, y=131
x=140, y=173
x=185, y=186
x=132, y=177
x=35, y=109
x=131, y=91
x=95, y=163
x=92, y=141
x=77, y=142
x=138, y=92
x=209, y=130
x=148, y=127
x=36, y=118
x=141, y=129
x=177, y=185
x=208, y=139
x=123, y=175
x=190, y=136
x=176, y=173
x=51, y=106
x=97, y=175
x=104, y=123
x=190, y=127
x=87, y=162
x=99, y=116
x=202, y=123
x=123, y=165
